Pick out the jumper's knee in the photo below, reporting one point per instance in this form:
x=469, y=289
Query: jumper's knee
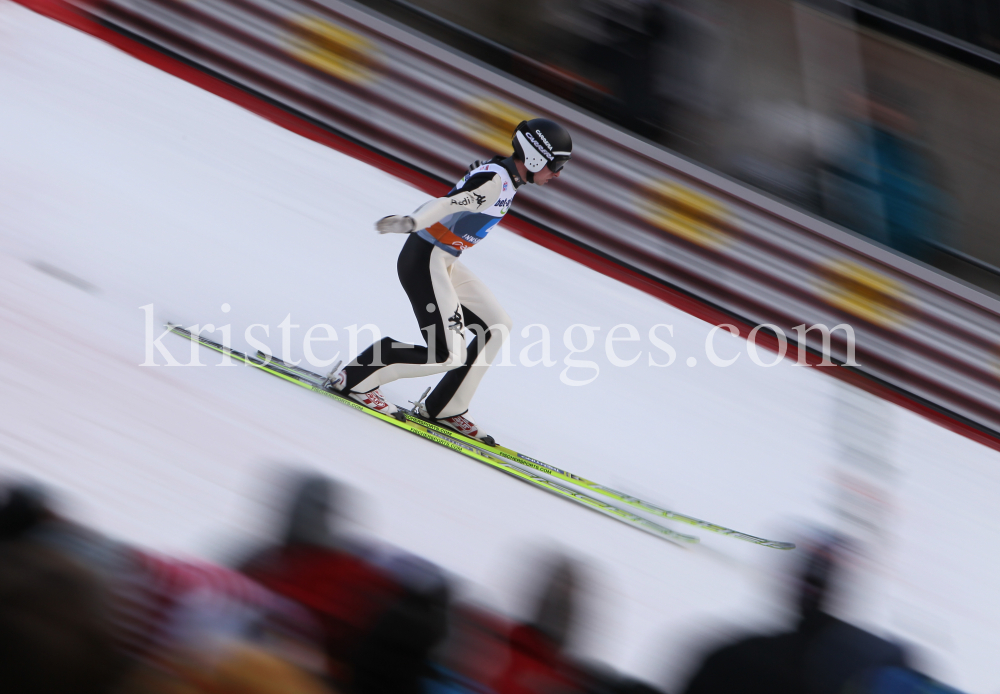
x=499, y=329
x=503, y=325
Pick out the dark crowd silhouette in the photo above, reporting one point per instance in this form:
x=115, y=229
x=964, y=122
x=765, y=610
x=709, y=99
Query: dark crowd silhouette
x=319, y=611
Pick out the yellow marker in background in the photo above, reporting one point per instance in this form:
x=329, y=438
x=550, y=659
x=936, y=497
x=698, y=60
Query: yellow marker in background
x=332, y=49
x=864, y=293
x=685, y=213
x=489, y=122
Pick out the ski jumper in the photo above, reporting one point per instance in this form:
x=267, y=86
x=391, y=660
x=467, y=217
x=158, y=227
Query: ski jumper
x=448, y=301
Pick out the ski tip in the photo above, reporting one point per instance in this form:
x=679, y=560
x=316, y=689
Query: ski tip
x=682, y=540
x=781, y=545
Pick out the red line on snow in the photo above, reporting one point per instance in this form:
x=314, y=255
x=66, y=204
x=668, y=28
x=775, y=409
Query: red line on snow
x=62, y=12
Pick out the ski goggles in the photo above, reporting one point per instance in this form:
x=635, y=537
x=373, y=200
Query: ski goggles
x=557, y=163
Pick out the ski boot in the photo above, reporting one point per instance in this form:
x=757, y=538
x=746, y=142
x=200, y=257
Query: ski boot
x=462, y=423
x=336, y=382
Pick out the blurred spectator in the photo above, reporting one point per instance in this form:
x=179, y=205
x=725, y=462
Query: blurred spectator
x=226, y=667
x=781, y=150
x=309, y=565
x=896, y=680
x=537, y=659
x=691, y=73
x=99, y=607
x=83, y=614
x=55, y=634
x=822, y=655
x=22, y=507
x=473, y=655
x=382, y=613
x=881, y=181
x=629, y=46
x=394, y=657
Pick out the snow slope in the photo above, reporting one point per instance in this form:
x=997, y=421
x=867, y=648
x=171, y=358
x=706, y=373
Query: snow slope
x=122, y=187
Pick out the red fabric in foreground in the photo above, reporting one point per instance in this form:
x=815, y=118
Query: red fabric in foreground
x=345, y=593
x=536, y=666
x=61, y=11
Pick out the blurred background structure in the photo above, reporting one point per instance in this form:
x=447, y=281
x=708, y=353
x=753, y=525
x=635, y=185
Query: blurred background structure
x=877, y=116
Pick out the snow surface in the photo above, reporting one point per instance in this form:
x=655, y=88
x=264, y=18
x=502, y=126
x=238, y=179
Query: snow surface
x=123, y=187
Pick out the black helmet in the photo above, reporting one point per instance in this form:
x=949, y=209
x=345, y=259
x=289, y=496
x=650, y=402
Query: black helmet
x=541, y=142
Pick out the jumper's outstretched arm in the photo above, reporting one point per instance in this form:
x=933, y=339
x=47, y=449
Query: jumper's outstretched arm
x=479, y=193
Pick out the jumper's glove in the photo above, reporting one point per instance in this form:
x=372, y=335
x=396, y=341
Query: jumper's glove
x=395, y=224
x=474, y=165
